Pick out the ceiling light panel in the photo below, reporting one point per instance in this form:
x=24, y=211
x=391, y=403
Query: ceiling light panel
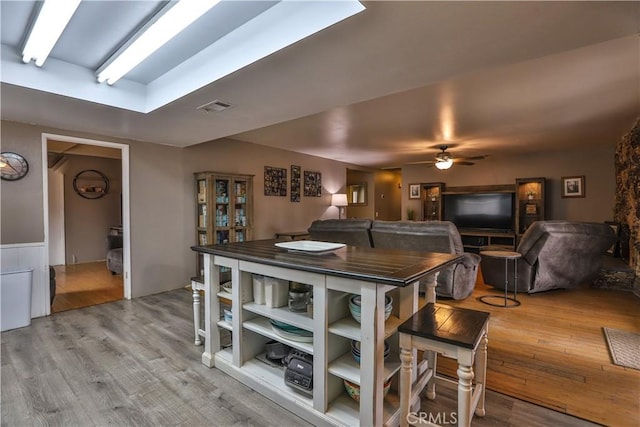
x=162, y=28
x=52, y=19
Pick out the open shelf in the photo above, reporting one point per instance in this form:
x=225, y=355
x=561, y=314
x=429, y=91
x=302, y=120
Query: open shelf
x=300, y=320
x=347, y=368
x=262, y=326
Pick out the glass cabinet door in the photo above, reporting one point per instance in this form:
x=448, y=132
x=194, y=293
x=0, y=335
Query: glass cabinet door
x=240, y=210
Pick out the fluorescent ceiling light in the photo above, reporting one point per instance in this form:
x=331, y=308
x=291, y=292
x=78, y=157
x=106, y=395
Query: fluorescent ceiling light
x=162, y=28
x=52, y=19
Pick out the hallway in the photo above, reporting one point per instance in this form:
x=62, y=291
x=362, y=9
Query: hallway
x=86, y=284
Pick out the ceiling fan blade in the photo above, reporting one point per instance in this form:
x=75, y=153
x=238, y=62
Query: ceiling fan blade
x=473, y=157
x=464, y=163
x=422, y=162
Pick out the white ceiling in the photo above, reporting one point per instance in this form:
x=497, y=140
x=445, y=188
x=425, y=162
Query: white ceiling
x=381, y=88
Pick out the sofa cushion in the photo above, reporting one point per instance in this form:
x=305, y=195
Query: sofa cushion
x=426, y=236
x=353, y=232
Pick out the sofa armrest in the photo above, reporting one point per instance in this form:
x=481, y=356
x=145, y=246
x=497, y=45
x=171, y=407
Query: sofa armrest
x=470, y=260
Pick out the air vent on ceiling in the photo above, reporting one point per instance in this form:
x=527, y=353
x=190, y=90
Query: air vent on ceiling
x=215, y=106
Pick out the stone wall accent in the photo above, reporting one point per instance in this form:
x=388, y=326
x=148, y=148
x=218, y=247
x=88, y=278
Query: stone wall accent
x=627, y=207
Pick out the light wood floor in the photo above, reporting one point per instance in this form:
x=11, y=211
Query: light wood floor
x=84, y=285
x=133, y=363
x=551, y=351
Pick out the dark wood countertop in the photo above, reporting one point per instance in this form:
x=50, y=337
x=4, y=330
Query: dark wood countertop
x=392, y=267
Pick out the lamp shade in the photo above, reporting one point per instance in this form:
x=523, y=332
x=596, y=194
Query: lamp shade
x=339, y=200
x=444, y=164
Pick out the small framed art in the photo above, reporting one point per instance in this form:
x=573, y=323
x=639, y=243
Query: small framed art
x=573, y=186
x=414, y=191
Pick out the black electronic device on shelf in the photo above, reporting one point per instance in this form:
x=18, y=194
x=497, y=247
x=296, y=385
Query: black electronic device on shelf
x=299, y=371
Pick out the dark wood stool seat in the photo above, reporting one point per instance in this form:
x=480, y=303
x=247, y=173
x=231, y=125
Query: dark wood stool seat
x=453, y=332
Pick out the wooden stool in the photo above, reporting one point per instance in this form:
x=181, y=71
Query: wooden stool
x=453, y=332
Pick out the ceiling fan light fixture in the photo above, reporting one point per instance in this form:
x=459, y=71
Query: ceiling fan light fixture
x=159, y=30
x=444, y=164
x=52, y=19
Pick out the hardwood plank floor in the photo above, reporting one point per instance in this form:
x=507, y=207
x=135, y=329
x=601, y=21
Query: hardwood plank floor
x=551, y=351
x=84, y=285
x=134, y=363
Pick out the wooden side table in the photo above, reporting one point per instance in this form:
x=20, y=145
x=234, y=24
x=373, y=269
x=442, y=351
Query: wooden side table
x=507, y=301
x=458, y=333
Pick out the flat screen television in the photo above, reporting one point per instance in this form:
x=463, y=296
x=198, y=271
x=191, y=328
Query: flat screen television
x=480, y=211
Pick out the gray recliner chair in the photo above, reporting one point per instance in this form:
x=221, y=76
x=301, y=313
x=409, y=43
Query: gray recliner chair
x=555, y=255
x=114, y=254
x=456, y=281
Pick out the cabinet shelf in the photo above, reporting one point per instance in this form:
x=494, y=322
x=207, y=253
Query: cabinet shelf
x=262, y=376
x=262, y=326
x=298, y=320
x=347, y=327
x=529, y=210
x=347, y=368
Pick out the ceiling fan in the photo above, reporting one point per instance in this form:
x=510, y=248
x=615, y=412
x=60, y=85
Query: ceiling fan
x=444, y=159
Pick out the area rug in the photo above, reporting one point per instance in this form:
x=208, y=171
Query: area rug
x=624, y=347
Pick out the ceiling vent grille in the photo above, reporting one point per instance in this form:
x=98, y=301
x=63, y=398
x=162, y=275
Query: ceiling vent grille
x=215, y=106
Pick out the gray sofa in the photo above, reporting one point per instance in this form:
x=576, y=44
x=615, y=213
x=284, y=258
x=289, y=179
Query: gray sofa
x=555, y=254
x=456, y=281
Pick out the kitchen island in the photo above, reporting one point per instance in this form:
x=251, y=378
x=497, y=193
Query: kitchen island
x=335, y=276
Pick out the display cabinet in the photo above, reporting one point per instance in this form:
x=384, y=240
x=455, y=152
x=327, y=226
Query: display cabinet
x=224, y=210
x=431, y=195
x=529, y=203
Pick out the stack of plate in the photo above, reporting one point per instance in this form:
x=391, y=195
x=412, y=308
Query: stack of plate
x=355, y=350
x=291, y=332
x=227, y=287
x=355, y=309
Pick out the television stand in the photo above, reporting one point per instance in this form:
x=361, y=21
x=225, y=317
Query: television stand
x=474, y=240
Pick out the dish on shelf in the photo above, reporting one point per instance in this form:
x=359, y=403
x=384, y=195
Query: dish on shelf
x=310, y=246
x=354, y=389
x=355, y=309
x=291, y=332
x=226, y=287
x=355, y=350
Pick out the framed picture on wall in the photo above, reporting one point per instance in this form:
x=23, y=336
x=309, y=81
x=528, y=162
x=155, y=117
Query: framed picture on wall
x=275, y=181
x=295, y=183
x=573, y=186
x=312, y=184
x=414, y=191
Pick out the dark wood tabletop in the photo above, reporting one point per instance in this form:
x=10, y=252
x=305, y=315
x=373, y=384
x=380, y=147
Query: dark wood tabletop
x=392, y=267
x=439, y=322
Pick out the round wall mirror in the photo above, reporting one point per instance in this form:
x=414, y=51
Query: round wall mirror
x=91, y=184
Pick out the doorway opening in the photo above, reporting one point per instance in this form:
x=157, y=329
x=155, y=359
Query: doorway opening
x=86, y=206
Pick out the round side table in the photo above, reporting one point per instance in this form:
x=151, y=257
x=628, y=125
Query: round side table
x=507, y=301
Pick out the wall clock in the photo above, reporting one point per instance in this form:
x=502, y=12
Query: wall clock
x=13, y=166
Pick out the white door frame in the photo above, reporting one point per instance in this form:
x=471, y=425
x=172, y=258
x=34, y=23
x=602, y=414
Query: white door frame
x=126, y=220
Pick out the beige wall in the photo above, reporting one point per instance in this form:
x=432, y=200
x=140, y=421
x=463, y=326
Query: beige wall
x=595, y=164
x=162, y=198
x=21, y=216
x=87, y=221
